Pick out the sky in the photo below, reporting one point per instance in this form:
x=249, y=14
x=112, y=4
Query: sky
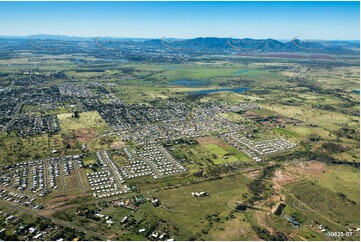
x=260, y=20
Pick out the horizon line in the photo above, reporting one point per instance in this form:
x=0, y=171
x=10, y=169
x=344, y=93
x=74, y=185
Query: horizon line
x=166, y=37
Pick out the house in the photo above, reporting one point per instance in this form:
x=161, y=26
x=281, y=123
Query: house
x=124, y=220
x=99, y=215
x=200, y=194
x=154, y=235
x=10, y=218
x=32, y=230
x=38, y=236
x=155, y=202
x=109, y=222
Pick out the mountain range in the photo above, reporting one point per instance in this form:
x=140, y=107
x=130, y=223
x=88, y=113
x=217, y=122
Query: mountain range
x=204, y=44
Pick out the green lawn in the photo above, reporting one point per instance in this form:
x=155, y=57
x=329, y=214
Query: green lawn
x=222, y=155
x=285, y=132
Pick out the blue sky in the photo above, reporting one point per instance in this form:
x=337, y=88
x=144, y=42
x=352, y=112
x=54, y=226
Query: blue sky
x=277, y=20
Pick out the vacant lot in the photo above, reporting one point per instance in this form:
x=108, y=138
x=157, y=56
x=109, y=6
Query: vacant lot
x=17, y=149
x=337, y=207
x=220, y=151
x=86, y=120
x=206, y=212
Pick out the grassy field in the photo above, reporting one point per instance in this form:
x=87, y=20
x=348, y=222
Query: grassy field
x=86, y=120
x=325, y=119
x=17, y=149
x=335, y=206
x=314, y=193
x=221, y=151
x=222, y=155
x=285, y=132
x=340, y=179
x=74, y=132
x=89, y=129
x=307, y=233
x=207, y=213
x=209, y=152
x=237, y=228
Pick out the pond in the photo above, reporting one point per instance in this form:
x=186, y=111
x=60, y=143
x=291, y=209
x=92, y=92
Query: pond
x=191, y=83
x=208, y=91
x=240, y=71
x=114, y=60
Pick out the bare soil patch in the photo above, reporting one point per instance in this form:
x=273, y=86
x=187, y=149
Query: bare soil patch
x=282, y=177
x=117, y=145
x=253, y=174
x=310, y=168
x=66, y=198
x=212, y=140
x=261, y=221
x=84, y=134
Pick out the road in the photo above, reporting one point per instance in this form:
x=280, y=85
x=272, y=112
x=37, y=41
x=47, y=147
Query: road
x=13, y=117
x=75, y=164
x=54, y=220
x=303, y=204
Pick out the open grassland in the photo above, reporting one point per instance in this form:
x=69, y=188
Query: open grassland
x=339, y=179
x=330, y=204
x=207, y=71
x=285, y=132
x=323, y=118
x=86, y=120
x=209, y=152
x=314, y=193
x=222, y=155
x=345, y=77
x=328, y=192
x=327, y=125
x=207, y=213
x=17, y=149
x=237, y=228
x=306, y=233
x=89, y=129
x=38, y=110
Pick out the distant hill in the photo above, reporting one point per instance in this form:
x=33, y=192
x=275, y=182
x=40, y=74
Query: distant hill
x=260, y=45
x=212, y=44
